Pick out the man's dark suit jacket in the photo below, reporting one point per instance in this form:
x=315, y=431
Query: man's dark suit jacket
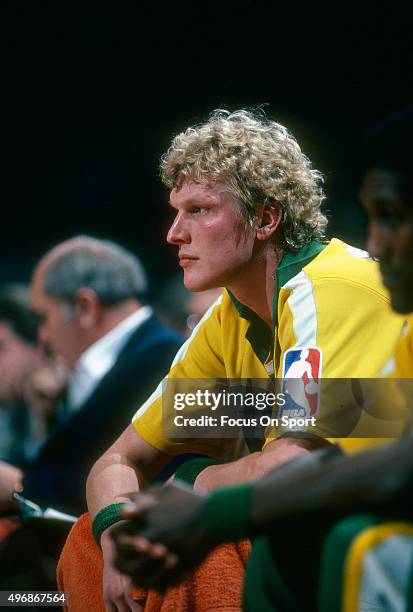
x=57, y=476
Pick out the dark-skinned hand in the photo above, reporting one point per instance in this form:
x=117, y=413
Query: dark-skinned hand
x=163, y=538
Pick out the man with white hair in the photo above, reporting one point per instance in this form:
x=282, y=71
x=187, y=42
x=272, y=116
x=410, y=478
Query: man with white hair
x=88, y=294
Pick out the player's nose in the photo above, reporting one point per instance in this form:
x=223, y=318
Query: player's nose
x=377, y=241
x=178, y=232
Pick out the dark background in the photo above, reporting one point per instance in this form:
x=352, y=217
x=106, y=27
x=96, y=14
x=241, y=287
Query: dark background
x=95, y=91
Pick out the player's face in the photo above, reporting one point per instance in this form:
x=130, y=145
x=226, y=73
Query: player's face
x=390, y=235
x=215, y=243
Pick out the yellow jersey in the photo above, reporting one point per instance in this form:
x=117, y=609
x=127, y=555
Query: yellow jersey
x=401, y=365
x=327, y=296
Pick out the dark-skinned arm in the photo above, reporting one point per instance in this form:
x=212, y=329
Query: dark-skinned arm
x=173, y=528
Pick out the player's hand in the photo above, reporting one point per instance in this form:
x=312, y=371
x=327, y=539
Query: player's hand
x=164, y=538
x=117, y=588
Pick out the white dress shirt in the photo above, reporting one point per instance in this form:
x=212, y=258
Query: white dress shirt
x=100, y=357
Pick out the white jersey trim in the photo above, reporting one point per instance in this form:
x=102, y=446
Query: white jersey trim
x=389, y=367
x=355, y=252
x=303, y=308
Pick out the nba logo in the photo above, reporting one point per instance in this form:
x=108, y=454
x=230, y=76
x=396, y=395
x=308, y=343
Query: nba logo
x=301, y=381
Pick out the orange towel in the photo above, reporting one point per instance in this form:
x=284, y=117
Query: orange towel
x=7, y=526
x=215, y=586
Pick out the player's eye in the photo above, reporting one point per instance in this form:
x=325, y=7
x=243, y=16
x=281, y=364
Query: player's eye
x=390, y=218
x=387, y=213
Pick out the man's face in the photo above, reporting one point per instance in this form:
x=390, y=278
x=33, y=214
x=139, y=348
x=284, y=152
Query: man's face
x=17, y=359
x=57, y=330
x=390, y=235
x=215, y=243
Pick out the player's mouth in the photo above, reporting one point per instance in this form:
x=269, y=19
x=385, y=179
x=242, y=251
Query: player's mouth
x=186, y=260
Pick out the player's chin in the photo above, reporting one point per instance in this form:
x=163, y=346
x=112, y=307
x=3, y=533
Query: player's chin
x=195, y=282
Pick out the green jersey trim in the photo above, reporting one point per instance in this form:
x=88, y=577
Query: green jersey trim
x=259, y=334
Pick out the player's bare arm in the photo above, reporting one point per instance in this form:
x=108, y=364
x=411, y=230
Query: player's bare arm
x=321, y=480
x=125, y=468
x=256, y=465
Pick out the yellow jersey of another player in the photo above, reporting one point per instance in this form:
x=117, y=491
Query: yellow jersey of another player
x=329, y=303
x=401, y=366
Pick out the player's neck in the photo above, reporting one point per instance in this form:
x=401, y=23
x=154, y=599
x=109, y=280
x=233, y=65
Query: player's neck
x=257, y=288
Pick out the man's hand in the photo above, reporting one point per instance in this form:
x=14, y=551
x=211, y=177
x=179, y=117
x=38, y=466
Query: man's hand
x=154, y=547
x=117, y=588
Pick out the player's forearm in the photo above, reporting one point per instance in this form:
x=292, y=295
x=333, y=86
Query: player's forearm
x=256, y=465
x=379, y=480
x=111, y=480
x=126, y=467
x=321, y=482
x=236, y=472
x=292, y=489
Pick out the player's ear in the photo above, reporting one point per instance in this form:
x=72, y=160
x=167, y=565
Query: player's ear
x=269, y=220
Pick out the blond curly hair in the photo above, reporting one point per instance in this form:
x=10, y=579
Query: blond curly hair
x=261, y=163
